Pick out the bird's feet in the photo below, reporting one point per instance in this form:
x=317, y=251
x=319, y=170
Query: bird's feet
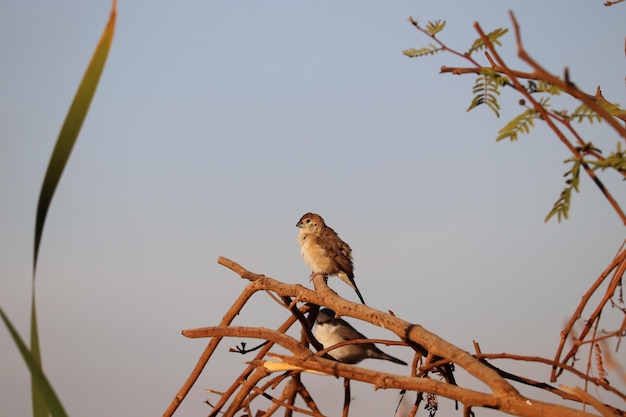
x=314, y=274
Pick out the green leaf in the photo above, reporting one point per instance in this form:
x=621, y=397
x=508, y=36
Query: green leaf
x=434, y=27
x=43, y=398
x=42, y=385
x=541, y=86
x=521, y=123
x=612, y=109
x=430, y=50
x=583, y=112
x=561, y=207
x=486, y=89
x=40, y=404
x=616, y=160
x=493, y=36
x=71, y=127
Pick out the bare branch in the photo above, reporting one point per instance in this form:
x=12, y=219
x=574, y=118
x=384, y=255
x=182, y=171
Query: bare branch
x=618, y=265
x=569, y=87
x=438, y=353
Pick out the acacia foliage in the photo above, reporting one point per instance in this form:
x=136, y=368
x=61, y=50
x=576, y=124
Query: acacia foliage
x=537, y=87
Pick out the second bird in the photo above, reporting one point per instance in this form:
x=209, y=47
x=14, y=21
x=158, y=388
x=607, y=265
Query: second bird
x=324, y=252
x=329, y=331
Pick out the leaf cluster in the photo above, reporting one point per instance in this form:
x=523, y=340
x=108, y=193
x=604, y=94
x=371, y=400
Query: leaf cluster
x=431, y=29
x=615, y=160
x=427, y=50
x=537, y=88
x=585, y=113
x=562, y=205
x=493, y=36
x=521, y=123
x=542, y=86
x=487, y=88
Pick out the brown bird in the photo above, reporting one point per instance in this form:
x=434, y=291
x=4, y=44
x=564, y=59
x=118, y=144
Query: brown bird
x=329, y=331
x=324, y=252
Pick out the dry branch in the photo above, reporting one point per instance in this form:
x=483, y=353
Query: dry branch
x=246, y=388
x=617, y=267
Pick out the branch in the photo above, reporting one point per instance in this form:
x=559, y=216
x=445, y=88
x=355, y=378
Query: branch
x=596, y=381
x=546, y=116
x=567, y=86
x=596, y=103
x=618, y=265
x=503, y=396
x=273, y=336
x=611, y=3
x=535, y=76
x=248, y=371
x=206, y=354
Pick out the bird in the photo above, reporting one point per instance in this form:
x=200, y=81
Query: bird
x=329, y=331
x=324, y=251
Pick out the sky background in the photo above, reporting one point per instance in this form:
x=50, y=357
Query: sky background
x=216, y=125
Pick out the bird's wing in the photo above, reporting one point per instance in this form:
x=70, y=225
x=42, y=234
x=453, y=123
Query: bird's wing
x=353, y=334
x=338, y=250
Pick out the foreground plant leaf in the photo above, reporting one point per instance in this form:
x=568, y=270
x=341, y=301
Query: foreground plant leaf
x=43, y=387
x=44, y=399
x=71, y=127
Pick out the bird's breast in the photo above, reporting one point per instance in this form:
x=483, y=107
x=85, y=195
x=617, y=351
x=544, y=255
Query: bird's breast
x=328, y=336
x=315, y=256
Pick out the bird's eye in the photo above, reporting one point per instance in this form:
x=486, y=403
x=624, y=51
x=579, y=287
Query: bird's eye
x=307, y=221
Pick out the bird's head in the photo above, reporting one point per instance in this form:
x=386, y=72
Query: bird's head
x=311, y=223
x=325, y=316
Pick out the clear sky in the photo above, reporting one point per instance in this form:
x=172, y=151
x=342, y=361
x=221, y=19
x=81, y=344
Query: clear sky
x=216, y=125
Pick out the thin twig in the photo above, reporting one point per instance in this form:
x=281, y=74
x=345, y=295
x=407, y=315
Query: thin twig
x=619, y=264
x=208, y=352
x=570, y=88
x=244, y=375
x=536, y=359
x=346, y=397
x=547, y=116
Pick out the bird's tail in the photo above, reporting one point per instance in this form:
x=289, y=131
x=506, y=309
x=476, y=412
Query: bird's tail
x=392, y=359
x=350, y=281
x=359, y=294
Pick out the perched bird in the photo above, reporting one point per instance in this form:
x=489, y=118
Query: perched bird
x=324, y=252
x=329, y=331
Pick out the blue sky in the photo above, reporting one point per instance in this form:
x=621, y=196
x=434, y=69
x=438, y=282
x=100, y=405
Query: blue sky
x=216, y=125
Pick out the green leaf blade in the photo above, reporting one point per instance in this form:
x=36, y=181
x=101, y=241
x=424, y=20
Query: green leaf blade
x=40, y=407
x=43, y=387
x=70, y=129
x=44, y=400
x=435, y=27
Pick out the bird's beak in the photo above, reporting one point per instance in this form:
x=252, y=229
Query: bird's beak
x=299, y=224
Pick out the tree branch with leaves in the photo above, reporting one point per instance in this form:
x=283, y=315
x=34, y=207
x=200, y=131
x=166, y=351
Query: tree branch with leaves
x=537, y=88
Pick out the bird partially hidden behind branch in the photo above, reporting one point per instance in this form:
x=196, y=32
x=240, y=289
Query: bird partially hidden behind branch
x=329, y=331
x=324, y=251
